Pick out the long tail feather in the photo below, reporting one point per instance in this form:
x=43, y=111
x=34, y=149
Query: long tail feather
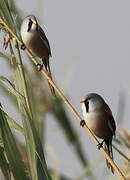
x=48, y=69
x=108, y=149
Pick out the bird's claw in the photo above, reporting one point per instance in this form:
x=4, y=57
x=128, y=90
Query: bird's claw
x=100, y=145
x=39, y=67
x=82, y=123
x=23, y=47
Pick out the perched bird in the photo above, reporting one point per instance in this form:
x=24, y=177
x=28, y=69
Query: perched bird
x=98, y=117
x=35, y=40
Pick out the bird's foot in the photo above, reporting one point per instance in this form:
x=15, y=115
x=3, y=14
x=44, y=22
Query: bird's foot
x=82, y=123
x=23, y=47
x=39, y=67
x=100, y=145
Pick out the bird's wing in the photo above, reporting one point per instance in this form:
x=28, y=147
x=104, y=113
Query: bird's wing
x=111, y=121
x=44, y=39
x=112, y=125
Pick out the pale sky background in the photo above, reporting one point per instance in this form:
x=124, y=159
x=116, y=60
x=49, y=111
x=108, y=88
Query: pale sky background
x=90, y=43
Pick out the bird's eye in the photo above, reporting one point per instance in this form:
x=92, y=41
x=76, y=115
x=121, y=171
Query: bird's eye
x=87, y=106
x=29, y=25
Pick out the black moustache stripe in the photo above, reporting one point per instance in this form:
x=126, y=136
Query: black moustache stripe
x=87, y=106
x=29, y=25
x=37, y=27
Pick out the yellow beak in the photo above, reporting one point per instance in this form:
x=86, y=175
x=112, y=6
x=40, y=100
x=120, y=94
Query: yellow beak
x=82, y=101
x=34, y=22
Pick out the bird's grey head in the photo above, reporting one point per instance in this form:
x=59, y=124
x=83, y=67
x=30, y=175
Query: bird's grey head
x=31, y=23
x=92, y=102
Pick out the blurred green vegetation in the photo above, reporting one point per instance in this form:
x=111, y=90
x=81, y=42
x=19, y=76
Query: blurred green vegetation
x=29, y=94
